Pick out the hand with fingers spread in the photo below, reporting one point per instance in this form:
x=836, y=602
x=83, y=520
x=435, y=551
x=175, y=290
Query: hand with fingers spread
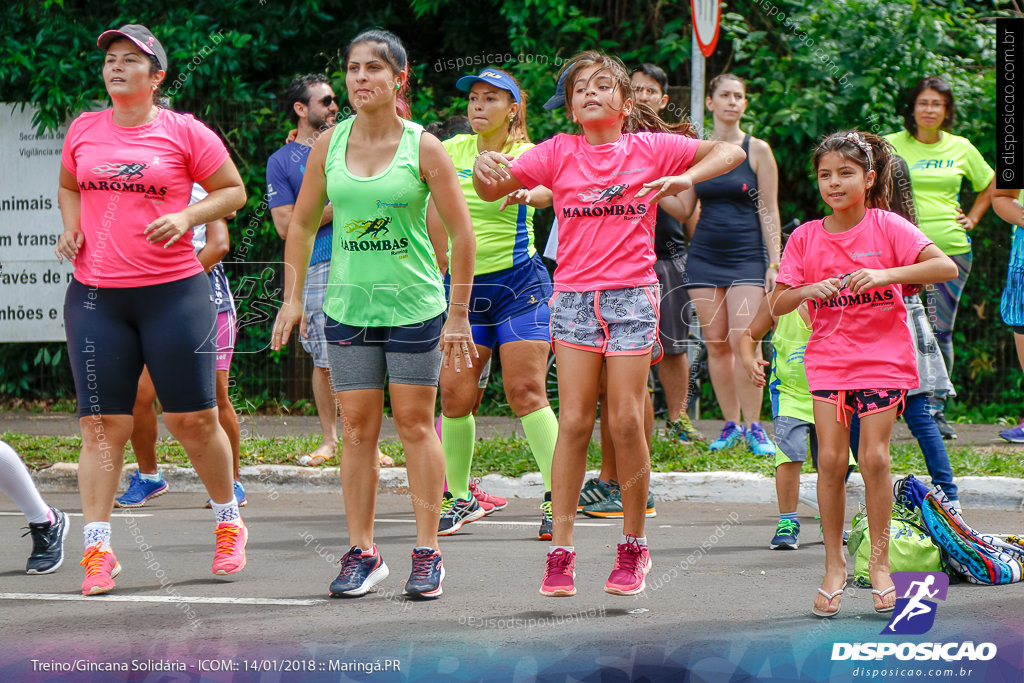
x=491, y=166
x=69, y=244
x=457, y=342
x=170, y=227
x=866, y=278
x=665, y=186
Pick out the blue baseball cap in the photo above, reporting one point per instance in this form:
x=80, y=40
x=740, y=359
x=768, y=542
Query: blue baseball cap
x=558, y=99
x=495, y=77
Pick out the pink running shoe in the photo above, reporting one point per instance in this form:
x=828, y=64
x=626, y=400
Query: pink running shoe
x=100, y=569
x=230, y=555
x=559, y=574
x=488, y=502
x=632, y=563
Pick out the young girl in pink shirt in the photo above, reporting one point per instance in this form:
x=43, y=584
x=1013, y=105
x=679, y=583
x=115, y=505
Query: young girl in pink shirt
x=850, y=267
x=605, y=308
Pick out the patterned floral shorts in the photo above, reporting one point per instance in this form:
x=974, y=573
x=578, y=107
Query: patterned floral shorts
x=614, y=322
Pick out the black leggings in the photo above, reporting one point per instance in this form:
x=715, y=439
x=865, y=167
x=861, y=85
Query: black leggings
x=113, y=332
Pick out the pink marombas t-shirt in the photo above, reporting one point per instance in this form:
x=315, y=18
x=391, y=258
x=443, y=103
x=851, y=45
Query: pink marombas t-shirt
x=862, y=341
x=605, y=234
x=128, y=177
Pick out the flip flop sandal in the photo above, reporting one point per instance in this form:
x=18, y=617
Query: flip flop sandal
x=881, y=596
x=312, y=460
x=831, y=596
x=384, y=459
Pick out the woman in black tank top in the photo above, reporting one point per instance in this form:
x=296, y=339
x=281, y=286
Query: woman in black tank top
x=734, y=259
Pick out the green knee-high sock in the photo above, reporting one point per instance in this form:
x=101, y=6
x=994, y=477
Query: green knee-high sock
x=541, y=429
x=458, y=434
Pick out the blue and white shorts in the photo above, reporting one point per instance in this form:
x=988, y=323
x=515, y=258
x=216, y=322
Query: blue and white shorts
x=612, y=322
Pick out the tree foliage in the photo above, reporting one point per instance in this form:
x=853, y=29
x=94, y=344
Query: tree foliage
x=813, y=66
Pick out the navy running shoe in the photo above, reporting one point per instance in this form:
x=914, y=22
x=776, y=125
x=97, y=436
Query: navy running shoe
x=359, y=573
x=140, y=490
x=47, y=544
x=427, y=574
x=787, y=536
x=455, y=512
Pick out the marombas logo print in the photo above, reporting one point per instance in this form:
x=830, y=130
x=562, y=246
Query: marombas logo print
x=122, y=177
x=373, y=235
x=913, y=615
x=603, y=201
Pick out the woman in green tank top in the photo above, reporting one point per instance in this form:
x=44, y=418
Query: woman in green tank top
x=385, y=302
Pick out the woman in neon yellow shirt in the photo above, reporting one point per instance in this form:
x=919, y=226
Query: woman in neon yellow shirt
x=939, y=163
x=508, y=303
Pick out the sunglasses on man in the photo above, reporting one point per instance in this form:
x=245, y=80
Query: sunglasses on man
x=327, y=99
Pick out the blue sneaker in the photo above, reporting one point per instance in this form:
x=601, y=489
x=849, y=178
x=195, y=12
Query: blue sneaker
x=427, y=574
x=1015, y=435
x=239, y=496
x=731, y=434
x=758, y=441
x=787, y=536
x=359, y=573
x=140, y=490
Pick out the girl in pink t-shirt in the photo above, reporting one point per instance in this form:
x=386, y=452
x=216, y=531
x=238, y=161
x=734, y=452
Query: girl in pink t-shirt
x=605, y=308
x=849, y=267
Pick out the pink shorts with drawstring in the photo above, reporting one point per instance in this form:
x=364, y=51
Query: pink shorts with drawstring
x=862, y=402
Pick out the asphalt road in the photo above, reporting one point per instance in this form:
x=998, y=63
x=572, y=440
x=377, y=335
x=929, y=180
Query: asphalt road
x=730, y=611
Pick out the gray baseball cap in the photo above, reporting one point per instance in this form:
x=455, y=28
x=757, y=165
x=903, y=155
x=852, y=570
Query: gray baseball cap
x=141, y=36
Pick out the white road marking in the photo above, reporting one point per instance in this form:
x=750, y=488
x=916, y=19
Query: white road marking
x=496, y=523
x=157, y=598
x=79, y=514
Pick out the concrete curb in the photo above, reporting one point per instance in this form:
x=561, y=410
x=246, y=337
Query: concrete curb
x=997, y=493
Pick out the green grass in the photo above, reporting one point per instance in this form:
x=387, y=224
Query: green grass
x=510, y=456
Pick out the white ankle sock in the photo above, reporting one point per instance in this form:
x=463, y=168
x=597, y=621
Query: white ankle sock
x=227, y=512
x=97, y=532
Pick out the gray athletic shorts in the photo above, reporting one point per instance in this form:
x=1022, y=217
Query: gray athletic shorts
x=364, y=367
x=791, y=436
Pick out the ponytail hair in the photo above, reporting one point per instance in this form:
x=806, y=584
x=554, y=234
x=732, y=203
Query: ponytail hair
x=868, y=151
x=902, y=200
x=389, y=48
x=642, y=118
x=646, y=119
